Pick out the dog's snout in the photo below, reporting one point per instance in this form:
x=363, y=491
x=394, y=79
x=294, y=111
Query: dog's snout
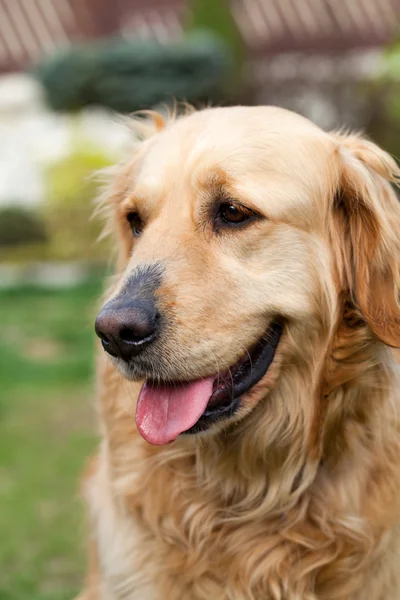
x=127, y=329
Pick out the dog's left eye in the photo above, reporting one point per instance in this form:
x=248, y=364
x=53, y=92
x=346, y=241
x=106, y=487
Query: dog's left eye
x=231, y=214
x=136, y=223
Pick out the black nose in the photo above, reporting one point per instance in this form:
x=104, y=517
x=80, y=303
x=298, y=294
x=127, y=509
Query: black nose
x=125, y=330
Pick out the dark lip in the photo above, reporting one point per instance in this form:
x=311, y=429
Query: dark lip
x=239, y=379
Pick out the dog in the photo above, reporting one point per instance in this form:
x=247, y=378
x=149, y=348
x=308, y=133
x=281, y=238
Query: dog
x=248, y=392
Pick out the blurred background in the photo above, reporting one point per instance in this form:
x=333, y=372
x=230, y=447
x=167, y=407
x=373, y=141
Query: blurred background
x=66, y=68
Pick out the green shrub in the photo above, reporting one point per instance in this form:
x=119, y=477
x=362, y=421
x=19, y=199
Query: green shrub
x=20, y=227
x=216, y=16
x=128, y=76
x=382, y=114
x=381, y=96
x=68, y=206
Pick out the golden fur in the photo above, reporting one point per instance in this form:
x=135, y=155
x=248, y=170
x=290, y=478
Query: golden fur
x=298, y=497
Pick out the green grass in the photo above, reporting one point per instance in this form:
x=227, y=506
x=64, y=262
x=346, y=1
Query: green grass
x=47, y=429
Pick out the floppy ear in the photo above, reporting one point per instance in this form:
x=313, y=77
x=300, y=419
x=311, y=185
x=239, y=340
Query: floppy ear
x=366, y=233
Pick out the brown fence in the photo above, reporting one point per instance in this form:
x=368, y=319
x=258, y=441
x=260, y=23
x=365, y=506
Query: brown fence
x=274, y=26
x=31, y=28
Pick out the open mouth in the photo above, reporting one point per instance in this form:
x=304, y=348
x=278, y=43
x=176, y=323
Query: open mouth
x=165, y=411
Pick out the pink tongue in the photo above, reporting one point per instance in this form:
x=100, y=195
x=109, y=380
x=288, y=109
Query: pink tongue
x=164, y=411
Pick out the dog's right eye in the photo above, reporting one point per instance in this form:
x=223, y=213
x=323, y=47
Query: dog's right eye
x=136, y=223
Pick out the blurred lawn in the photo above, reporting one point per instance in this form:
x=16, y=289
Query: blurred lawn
x=47, y=429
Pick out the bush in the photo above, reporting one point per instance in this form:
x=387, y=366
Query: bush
x=382, y=96
x=20, y=227
x=382, y=114
x=218, y=18
x=68, y=206
x=128, y=76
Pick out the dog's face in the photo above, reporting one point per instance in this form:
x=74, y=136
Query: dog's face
x=227, y=234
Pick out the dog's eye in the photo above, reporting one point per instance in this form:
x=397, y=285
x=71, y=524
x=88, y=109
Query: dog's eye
x=136, y=223
x=231, y=214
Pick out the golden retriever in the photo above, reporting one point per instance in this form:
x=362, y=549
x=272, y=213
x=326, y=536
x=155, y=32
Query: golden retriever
x=248, y=395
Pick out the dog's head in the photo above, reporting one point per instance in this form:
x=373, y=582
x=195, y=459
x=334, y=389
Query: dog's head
x=240, y=232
